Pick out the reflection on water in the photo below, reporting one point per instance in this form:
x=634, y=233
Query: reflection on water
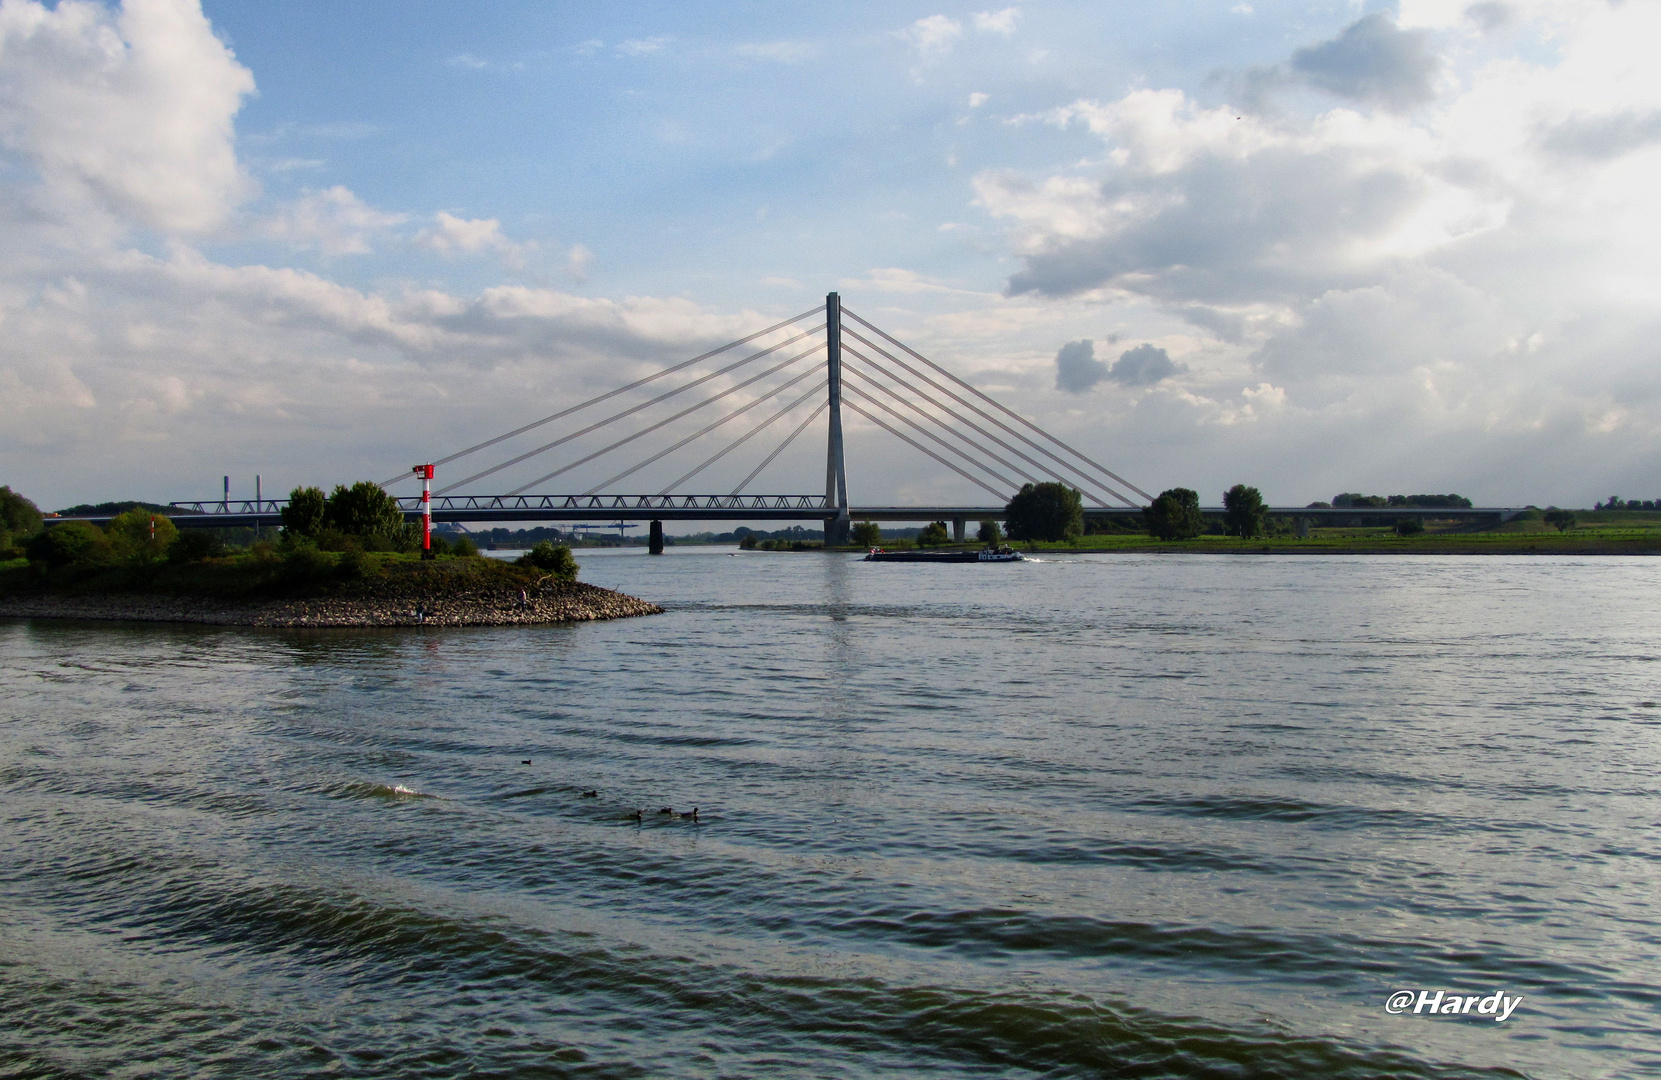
x=1143, y=816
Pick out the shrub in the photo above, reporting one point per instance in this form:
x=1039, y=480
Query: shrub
x=140, y=536
x=465, y=548
x=1409, y=526
x=72, y=543
x=866, y=534
x=195, y=545
x=1561, y=520
x=990, y=533
x=748, y=543
x=933, y=535
x=363, y=510
x=554, y=560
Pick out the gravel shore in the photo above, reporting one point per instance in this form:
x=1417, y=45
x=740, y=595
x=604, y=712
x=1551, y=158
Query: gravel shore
x=573, y=602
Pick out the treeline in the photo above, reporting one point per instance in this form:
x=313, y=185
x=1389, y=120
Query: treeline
x=1351, y=499
x=1615, y=502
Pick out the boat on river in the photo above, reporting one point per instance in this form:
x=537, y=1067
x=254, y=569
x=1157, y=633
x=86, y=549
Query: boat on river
x=1002, y=554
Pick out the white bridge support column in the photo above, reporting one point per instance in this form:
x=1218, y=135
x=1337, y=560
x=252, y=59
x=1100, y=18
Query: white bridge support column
x=836, y=475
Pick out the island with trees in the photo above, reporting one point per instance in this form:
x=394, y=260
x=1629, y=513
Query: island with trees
x=344, y=559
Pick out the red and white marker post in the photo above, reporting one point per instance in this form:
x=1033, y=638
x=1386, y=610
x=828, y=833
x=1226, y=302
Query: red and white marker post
x=425, y=472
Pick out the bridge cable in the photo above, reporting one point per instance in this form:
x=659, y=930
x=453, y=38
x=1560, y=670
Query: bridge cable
x=1018, y=470
x=746, y=437
x=735, y=414
x=613, y=393
x=666, y=395
x=665, y=422
x=997, y=405
x=899, y=435
x=779, y=449
x=1088, y=483
x=1008, y=484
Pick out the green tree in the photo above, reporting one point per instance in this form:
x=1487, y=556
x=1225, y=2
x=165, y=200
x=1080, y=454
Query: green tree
x=990, y=534
x=866, y=534
x=557, y=561
x=69, y=544
x=1049, y=511
x=1246, y=514
x=195, y=545
x=465, y=548
x=1175, y=515
x=140, y=536
x=1561, y=520
x=364, y=510
x=933, y=535
x=19, y=518
x=1409, y=526
x=303, y=516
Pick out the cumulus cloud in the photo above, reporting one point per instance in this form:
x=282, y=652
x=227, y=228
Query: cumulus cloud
x=451, y=235
x=933, y=36
x=333, y=221
x=130, y=112
x=1076, y=367
x=1142, y=366
x=998, y=22
x=1373, y=60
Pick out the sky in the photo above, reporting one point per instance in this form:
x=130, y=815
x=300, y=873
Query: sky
x=1315, y=248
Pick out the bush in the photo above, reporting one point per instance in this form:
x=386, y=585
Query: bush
x=748, y=543
x=933, y=535
x=554, y=560
x=1175, y=515
x=439, y=545
x=1410, y=526
x=195, y=545
x=1561, y=520
x=72, y=543
x=140, y=536
x=465, y=548
x=1048, y=511
x=990, y=534
x=363, y=510
x=866, y=534
x=1246, y=514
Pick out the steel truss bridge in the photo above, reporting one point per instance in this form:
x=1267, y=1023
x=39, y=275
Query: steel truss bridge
x=816, y=364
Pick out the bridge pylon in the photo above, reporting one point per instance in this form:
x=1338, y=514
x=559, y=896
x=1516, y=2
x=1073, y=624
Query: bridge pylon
x=837, y=527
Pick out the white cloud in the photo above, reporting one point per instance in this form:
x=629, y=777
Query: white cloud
x=130, y=112
x=333, y=221
x=998, y=22
x=977, y=99
x=933, y=36
x=451, y=235
x=643, y=46
x=783, y=52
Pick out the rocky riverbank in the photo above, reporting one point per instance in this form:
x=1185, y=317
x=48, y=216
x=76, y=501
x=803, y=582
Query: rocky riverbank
x=392, y=604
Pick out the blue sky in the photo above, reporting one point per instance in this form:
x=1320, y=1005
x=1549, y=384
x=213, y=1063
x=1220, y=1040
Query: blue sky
x=1314, y=247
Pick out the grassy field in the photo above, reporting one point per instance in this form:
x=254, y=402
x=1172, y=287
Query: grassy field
x=1621, y=532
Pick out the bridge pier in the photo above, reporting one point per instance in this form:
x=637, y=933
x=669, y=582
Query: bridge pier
x=837, y=530
x=654, y=542
x=959, y=526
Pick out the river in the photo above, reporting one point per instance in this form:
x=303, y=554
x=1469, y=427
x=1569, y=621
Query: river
x=1150, y=816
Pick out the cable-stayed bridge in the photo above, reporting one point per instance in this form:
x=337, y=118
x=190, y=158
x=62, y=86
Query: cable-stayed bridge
x=716, y=412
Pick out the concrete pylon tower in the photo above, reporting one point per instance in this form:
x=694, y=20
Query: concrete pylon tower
x=836, y=473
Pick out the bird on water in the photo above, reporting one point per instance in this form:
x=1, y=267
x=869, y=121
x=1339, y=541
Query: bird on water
x=638, y=815
x=691, y=815
x=666, y=810
x=525, y=761
x=591, y=795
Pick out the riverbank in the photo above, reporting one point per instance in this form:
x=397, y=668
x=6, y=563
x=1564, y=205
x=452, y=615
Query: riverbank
x=366, y=591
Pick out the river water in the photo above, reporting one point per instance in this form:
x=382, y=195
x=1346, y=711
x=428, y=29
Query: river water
x=1158, y=816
